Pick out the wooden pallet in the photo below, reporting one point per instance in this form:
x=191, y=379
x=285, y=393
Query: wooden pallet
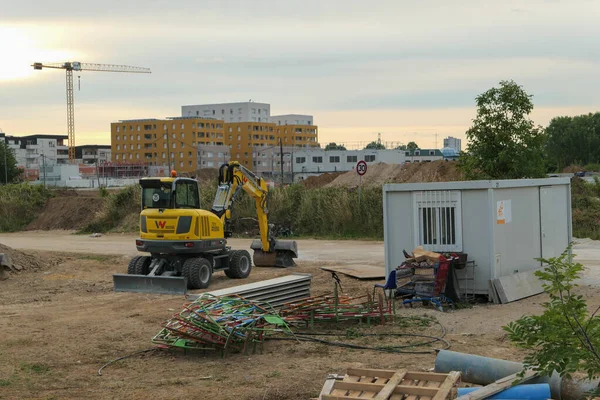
x=391, y=385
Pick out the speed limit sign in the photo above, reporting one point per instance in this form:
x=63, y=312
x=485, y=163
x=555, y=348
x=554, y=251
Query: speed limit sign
x=361, y=168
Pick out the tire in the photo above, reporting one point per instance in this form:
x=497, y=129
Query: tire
x=142, y=266
x=240, y=265
x=131, y=266
x=198, y=272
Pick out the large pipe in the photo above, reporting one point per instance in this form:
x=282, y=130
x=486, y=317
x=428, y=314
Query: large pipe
x=484, y=370
x=539, y=391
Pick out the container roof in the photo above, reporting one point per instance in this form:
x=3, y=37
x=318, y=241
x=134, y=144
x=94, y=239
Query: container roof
x=473, y=185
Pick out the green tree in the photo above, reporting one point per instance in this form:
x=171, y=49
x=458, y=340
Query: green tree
x=412, y=146
x=401, y=147
x=334, y=146
x=375, y=145
x=574, y=140
x=503, y=142
x=566, y=337
x=10, y=169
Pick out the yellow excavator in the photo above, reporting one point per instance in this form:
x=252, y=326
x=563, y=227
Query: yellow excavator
x=187, y=244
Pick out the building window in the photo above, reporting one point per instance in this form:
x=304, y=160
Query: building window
x=189, y=153
x=173, y=126
x=334, y=159
x=182, y=135
x=118, y=147
x=370, y=157
x=300, y=160
x=352, y=159
x=131, y=137
x=138, y=128
x=432, y=152
x=181, y=164
x=117, y=156
x=437, y=216
x=164, y=155
x=139, y=146
x=180, y=154
x=118, y=130
x=182, y=125
x=174, y=145
x=137, y=156
x=317, y=160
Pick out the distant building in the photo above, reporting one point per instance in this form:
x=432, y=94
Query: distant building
x=307, y=162
x=248, y=111
x=156, y=141
x=453, y=142
x=450, y=153
x=212, y=156
x=423, y=155
x=92, y=153
x=31, y=151
x=267, y=162
x=292, y=119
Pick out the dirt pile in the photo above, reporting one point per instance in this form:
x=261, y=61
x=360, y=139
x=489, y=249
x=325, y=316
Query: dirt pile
x=320, y=180
x=379, y=174
x=20, y=261
x=68, y=209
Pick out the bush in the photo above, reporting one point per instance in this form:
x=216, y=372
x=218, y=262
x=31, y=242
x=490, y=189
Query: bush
x=585, y=204
x=19, y=204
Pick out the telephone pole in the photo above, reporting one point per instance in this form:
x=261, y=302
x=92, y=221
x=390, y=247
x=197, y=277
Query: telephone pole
x=169, y=151
x=281, y=158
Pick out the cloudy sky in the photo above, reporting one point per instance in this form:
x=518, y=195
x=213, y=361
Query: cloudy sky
x=407, y=69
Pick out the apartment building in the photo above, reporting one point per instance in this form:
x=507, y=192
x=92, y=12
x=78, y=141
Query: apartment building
x=158, y=141
x=31, y=151
x=453, y=142
x=248, y=111
x=292, y=119
x=212, y=156
x=92, y=153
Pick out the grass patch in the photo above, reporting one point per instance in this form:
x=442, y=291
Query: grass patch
x=273, y=374
x=415, y=321
x=96, y=257
x=36, y=368
x=5, y=382
x=19, y=205
x=585, y=201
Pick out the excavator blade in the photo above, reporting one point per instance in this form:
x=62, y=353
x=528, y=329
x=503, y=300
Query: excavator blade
x=282, y=255
x=150, y=284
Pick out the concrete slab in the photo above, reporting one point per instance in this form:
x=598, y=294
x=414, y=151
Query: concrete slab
x=518, y=286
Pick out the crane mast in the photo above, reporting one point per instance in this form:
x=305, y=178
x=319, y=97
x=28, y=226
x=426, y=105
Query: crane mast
x=69, y=67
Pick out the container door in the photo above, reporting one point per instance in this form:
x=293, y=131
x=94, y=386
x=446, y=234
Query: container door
x=554, y=221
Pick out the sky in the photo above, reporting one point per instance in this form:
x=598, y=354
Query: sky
x=407, y=69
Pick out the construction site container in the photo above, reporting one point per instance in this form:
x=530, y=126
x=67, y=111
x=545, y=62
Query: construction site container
x=502, y=225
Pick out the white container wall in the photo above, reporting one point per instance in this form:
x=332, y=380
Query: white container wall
x=502, y=225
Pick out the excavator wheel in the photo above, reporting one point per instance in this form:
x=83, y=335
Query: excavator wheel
x=239, y=265
x=131, y=266
x=198, y=272
x=142, y=266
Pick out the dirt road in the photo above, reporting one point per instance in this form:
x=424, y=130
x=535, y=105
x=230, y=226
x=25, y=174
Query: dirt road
x=351, y=251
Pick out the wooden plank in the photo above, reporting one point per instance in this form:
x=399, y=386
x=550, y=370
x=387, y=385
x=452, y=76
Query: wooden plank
x=327, y=387
x=447, y=385
x=341, y=392
x=518, y=286
x=391, y=386
x=340, y=397
x=426, y=376
x=396, y=388
x=359, y=271
x=378, y=373
x=497, y=387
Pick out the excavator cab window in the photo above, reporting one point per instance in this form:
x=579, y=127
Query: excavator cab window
x=187, y=194
x=156, y=194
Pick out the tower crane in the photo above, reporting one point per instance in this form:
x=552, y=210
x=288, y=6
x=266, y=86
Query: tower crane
x=71, y=66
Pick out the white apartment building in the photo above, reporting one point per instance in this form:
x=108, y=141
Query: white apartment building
x=32, y=149
x=453, y=143
x=213, y=156
x=292, y=119
x=230, y=112
x=90, y=154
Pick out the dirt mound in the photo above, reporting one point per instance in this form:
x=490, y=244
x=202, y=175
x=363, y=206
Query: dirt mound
x=379, y=174
x=23, y=261
x=320, y=180
x=70, y=211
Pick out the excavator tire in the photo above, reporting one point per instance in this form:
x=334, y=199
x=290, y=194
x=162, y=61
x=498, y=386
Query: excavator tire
x=142, y=266
x=198, y=272
x=240, y=265
x=131, y=266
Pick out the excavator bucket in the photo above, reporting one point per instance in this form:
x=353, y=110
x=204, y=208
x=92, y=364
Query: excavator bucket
x=282, y=255
x=156, y=284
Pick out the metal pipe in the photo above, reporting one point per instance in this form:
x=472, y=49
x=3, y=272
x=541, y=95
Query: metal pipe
x=484, y=370
x=539, y=391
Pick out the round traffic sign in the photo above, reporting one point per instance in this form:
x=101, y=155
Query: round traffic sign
x=361, y=167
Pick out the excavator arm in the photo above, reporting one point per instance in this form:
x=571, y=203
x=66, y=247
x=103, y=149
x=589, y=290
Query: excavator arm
x=234, y=178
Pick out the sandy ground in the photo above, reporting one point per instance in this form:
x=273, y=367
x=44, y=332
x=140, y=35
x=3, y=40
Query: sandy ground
x=61, y=323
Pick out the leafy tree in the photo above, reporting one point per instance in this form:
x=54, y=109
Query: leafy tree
x=375, y=145
x=503, y=141
x=14, y=173
x=574, y=140
x=334, y=146
x=401, y=147
x=412, y=146
x=565, y=338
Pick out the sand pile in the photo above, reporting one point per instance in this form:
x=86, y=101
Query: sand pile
x=20, y=261
x=318, y=181
x=379, y=174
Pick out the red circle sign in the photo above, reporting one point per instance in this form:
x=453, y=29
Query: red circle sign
x=361, y=167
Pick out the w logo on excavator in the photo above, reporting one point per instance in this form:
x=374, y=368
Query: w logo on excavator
x=160, y=224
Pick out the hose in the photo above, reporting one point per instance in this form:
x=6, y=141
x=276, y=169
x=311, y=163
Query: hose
x=124, y=357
